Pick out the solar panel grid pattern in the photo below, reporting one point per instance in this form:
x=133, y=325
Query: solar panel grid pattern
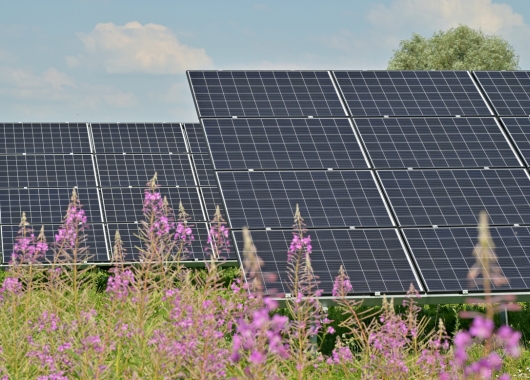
x=519, y=129
x=36, y=138
x=435, y=143
x=204, y=170
x=444, y=256
x=138, y=169
x=508, y=91
x=271, y=144
x=411, y=93
x=47, y=171
x=97, y=248
x=456, y=197
x=123, y=204
x=45, y=205
x=129, y=233
x=265, y=94
x=374, y=259
x=212, y=199
x=138, y=138
x=326, y=199
x=195, y=137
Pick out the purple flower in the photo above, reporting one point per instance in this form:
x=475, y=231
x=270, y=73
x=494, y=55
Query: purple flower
x=510, y=338
x=482, y=328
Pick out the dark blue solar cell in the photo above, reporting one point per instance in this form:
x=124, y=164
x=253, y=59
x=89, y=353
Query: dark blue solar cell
x=508, y=91
x=326, y=199
x=212, y=199
x=374, y=259
x=264, y=94
x=283, y=144
x=519, y=129
x=136, y=170
x=96, y=242
x=138, y=138
x=411, y=93
x=195, y=138
x=204, y=169
x=456, y=197
x=47, y=171
x=445, y=256
x=37, y=138
x=436, y=143
x=125, y=204
x=45, y=205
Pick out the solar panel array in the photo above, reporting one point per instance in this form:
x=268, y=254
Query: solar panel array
x=390, y=170
x=110, y=164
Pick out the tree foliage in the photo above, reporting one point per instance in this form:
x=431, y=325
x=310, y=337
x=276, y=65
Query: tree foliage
x=460, y=48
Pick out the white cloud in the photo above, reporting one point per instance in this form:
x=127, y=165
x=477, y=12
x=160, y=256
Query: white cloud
x=56, y=86
x=397, y=21
x=133, y=47
x=491, y=18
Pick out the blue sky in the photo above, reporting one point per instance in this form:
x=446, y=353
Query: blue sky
x=125, y=60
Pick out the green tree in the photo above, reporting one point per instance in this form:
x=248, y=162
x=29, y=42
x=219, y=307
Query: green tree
x=460, y=48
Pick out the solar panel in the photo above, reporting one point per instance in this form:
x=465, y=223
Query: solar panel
x=265, y=93
x=444, y=256
x=212, y=198
x=519, y=129
x=204, y=169
x=138, y=138
x=96, y=241
x=508, y=91
x=283, y=144
x=137, y=170
x=45, y=205
x=374, y=259
x=436, y=142
x=125, y=204
x=411, y=93
x=195, y=138
x=36, y=138
x=47, y=171
x=456, y=197
x=326, y=199
x=129, y=234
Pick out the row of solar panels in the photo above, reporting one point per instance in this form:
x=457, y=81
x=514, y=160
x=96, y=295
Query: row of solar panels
x=387, y=187
x=360, y=93
x=109, y=164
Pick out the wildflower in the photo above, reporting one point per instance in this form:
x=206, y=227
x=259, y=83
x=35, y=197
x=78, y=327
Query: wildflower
x=342, y=285
x=218, y=237
x=74, y=222
x=119, y=284
x=482, y=328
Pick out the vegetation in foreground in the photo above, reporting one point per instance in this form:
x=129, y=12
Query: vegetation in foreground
x=161, y=321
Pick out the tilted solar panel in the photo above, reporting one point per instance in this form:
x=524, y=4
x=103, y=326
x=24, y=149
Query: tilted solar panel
x=136, y=170
x=519, y=129
x=204, y=170
x=195, y=138
x=123, y=204
x=326, y=199
x=445, y=256
x=47, y=171
x=283, y=144
x=45, y=138
x=374, y=259
x=129, y=233
x=508, y=91
x=212, y=199
x=265, y=94
x=146, y=138
x=45, y=205
x=411, y=93
x=436, y=143
x=456, y=197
